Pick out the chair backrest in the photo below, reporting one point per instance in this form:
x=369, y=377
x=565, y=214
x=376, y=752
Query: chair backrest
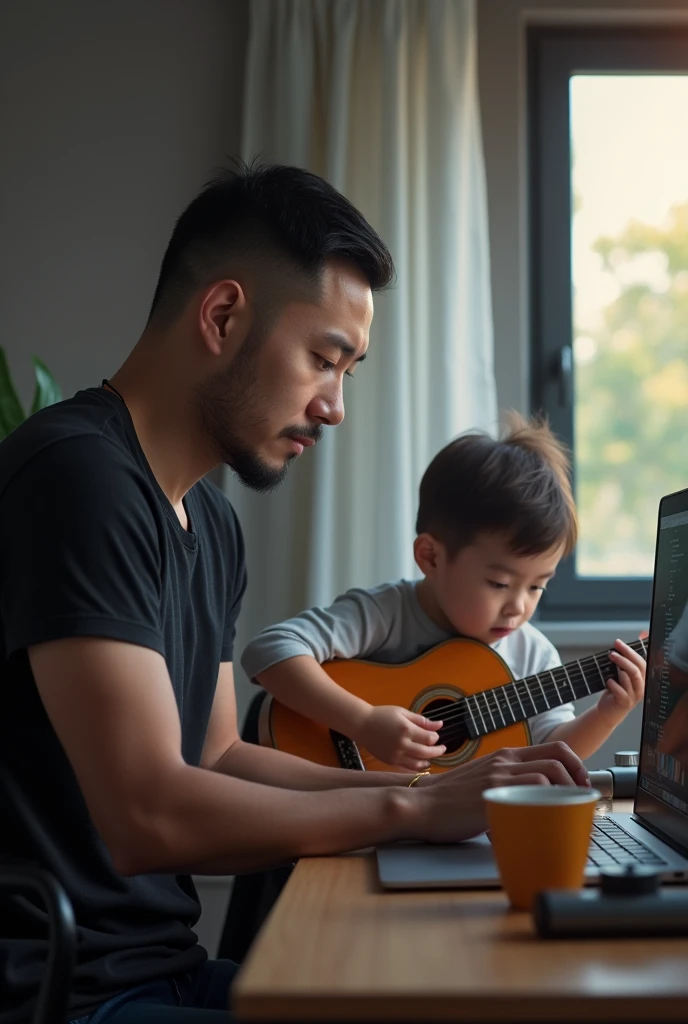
x=25, y=878
x=53, y=996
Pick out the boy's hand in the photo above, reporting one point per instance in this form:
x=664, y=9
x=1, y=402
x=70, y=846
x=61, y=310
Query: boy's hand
x=400, y=737
x=622, y=695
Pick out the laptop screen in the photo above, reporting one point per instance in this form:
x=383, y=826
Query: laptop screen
x=663, y=773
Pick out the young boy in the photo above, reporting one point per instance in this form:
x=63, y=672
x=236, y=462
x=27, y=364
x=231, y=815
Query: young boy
x=494, y=519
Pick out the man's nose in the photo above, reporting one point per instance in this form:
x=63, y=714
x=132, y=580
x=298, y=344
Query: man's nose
x=328, y=409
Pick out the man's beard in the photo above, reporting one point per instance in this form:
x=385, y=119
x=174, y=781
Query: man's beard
x=229, y=405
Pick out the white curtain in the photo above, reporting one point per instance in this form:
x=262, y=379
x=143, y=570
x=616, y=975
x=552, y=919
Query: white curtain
x=381, y=98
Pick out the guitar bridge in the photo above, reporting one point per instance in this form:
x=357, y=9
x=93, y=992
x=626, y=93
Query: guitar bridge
x=347, y=752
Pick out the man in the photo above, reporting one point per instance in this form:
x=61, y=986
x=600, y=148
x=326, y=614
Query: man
x=122, y=573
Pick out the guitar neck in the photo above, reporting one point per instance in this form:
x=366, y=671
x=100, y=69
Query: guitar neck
x=517, y=701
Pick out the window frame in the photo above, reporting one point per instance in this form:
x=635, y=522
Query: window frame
x=554, y=54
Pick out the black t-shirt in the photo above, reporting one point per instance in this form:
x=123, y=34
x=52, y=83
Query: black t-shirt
x=90, y=546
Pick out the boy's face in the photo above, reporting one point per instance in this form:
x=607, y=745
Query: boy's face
x=486, y=591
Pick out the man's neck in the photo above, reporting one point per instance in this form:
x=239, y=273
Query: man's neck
x=167, y=429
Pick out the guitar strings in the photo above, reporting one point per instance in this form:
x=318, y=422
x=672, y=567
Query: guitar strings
x=460, y=715
x=550, y=687
x=454, y=717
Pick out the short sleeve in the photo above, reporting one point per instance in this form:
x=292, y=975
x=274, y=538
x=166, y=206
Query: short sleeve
x=237, y=581
x=80, y=550
x=354, y=626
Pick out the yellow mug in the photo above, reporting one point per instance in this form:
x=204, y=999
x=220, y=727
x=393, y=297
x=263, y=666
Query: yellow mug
x=540, y=836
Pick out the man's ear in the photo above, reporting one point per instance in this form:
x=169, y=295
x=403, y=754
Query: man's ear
x=426, y=551
x=222, y=314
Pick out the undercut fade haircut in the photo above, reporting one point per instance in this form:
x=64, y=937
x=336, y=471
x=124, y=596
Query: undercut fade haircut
x=282, y=223
x=517, y=486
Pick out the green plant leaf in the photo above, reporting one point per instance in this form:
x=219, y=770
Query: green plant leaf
x=11, y=412
x=47, y=391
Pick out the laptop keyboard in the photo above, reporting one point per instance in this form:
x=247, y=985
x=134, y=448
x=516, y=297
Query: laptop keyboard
x=612, y=844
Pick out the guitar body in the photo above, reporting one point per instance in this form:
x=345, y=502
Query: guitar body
x=431, y=684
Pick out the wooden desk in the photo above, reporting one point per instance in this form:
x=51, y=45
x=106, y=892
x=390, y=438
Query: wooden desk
x=337, y=947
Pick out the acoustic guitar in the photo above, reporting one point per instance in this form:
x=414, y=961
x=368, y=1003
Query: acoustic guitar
x=463, y=683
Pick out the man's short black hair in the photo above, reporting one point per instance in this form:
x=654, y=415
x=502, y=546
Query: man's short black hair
x=284, y=221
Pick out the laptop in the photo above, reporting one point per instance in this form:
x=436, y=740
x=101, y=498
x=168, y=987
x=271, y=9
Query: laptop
x=656, y=833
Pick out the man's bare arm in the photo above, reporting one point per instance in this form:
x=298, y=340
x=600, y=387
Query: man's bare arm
x=113, y=709
x=225, y=752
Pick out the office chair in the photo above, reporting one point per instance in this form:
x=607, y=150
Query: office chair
x=253, y=895
x=53, y=995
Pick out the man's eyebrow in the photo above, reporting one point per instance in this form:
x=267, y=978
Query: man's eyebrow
x=343, y=344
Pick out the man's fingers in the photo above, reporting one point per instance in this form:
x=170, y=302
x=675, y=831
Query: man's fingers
x=528, y=778
x=553, y=752
x=554, y=771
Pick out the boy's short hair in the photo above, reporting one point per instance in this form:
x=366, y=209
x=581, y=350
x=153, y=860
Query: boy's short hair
x=517, y=486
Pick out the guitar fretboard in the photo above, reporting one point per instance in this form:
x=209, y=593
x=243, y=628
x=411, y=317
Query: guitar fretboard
x=517, y=701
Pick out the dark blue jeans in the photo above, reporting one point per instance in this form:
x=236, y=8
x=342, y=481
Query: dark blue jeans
x=201, y=997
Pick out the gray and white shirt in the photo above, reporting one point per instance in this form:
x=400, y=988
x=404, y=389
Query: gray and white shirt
x=387, y=624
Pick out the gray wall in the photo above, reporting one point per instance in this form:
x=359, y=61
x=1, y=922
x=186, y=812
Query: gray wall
x=113, y=114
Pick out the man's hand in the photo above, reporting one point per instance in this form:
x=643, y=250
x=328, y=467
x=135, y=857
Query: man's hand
x=399, y=737
x=452, y=807
x=622, y=694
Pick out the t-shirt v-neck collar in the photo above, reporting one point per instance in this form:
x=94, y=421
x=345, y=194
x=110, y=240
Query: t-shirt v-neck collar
x=187, y=537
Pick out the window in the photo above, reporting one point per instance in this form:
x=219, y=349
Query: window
x=608, y=202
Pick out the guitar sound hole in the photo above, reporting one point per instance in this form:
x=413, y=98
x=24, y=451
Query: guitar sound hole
x=453, y=733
